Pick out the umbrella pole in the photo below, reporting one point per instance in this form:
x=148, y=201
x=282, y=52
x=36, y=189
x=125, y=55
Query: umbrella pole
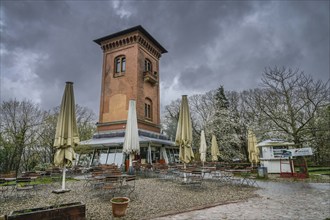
x=130, y=166
x=114, y=158
x=63, y=178
x=130, y=160
x=184, y=173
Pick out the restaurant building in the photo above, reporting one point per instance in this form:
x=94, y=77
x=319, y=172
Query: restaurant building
x=130, y=70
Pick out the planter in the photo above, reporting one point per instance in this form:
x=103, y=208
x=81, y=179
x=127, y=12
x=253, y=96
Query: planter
x=70, y=211
x=119, y=206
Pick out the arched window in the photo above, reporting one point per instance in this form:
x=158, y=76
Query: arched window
x=120, y=64
x=147, y=66
x=148, y=109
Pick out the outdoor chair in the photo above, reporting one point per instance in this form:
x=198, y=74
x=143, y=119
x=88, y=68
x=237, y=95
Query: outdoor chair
x=112, y=185
x=171, y=174
x=56, y=174
x=129, y=185
x=3, y=189
x=216, y=176
x=97, y=182
x=9, y=186
x=195, y=179
x=24, y=186
x=88, y=179
x=223, y=177
x=163, y=175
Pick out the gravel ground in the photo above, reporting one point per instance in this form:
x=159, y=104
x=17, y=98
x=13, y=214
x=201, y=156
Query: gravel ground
x=151, y=198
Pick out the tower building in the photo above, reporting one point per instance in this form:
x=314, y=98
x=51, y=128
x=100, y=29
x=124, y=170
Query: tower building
x=130, y=70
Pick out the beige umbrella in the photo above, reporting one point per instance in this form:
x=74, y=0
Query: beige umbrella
x=252, y=148
x=203, y=147
x=183, y=137
x=66, y=136
x=131, y=142
x=214, y=149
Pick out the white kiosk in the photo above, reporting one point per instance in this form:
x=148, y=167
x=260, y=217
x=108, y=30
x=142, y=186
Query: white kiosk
x=271, y=152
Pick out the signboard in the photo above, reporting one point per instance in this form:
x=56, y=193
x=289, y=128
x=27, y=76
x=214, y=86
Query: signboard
x=298, y=152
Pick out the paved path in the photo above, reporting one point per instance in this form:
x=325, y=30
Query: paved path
x=289, y=200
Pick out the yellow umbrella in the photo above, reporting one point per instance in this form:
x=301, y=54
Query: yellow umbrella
x=66, y=136
x=183, y=137
x=203, y=147
x=214, y=149
x=252, y=148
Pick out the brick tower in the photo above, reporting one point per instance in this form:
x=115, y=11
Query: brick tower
x=130, y=71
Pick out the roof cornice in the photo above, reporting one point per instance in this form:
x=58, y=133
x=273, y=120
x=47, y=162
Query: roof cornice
x=127, y=31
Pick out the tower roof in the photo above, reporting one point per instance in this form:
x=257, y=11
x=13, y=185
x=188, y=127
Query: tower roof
x=129, y=30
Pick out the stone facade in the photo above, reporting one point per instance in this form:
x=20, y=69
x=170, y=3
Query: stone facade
x=136, y=82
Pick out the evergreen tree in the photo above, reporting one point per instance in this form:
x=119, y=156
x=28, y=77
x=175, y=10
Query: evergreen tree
x=225, y=127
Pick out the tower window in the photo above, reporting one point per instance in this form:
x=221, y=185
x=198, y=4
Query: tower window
x=147, y=66
x=120, y=64
x=148, y=109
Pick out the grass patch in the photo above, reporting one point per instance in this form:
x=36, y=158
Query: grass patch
x=42, y=180
x=319, y=170
x=326, y=172
x=311, y=169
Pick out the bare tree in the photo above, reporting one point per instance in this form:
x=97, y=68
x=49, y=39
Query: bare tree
x=319, y=136
x=170, y=118
x=202, y=110
x=20, y=122
x=289, y=100
x=85, y=123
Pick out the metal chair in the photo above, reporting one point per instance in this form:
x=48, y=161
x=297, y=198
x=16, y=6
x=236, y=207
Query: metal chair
x=129, y=185
x=195, y=179
x=3, y=189
x=24, y=185
x=112, y=184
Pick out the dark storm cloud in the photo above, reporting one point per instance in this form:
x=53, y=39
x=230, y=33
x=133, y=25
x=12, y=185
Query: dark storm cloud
x=64, y=33
x=210, y=43
x=293, y=34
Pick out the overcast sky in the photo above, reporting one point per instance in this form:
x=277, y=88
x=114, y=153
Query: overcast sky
x=209, y=43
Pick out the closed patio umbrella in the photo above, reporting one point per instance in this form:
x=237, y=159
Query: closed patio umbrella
x=203, y=147
x=131, y=141
x=183, y=137
x=66, y=137
x=252, y=148
x=214, y=149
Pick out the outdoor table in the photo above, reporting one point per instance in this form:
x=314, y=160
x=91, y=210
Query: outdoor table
x=8, y=180
x=210, y=168
x=121, y=178
x=244, y=174
x=99, y=177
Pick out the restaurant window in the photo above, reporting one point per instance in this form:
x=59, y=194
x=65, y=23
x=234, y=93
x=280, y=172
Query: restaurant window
x=120, y=64
x=148, y=109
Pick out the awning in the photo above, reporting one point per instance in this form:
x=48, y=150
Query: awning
x=118, y=142
x=275, y=143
